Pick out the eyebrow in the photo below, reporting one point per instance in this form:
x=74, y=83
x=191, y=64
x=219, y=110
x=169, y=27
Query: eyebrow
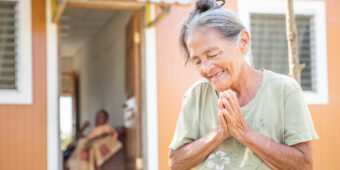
x=206, y=51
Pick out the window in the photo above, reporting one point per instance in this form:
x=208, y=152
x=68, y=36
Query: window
x=7, y=46
x=265, y=20
x=15, y=52
x=269, y=45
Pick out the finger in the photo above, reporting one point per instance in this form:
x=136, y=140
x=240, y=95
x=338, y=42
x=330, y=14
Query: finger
x=226, y=95
x=223, y=94
x=219, y=117
x=232, y=101
x=221, y=120
x=229, y=117
x=226, y=117
x=227, y=105
x=220, y=94
x=220, y=104
x=236, y=101
x=226, y=114
x=223, y=123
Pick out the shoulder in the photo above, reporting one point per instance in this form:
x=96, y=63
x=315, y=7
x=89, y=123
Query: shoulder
x=198, y=87
x=283, y=82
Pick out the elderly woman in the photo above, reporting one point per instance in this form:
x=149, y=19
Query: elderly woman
x=236, y=117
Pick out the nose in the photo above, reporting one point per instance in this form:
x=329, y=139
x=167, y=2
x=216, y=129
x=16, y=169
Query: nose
x=207, y=67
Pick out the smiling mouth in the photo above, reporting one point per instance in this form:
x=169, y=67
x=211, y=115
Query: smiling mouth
x=217, y=75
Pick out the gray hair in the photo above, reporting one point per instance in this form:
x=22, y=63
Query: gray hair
x=208, y=14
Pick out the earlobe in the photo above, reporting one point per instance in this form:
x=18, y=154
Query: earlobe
x=243, y=46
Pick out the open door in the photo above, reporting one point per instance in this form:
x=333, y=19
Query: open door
x=133, y=93
x=68, y=104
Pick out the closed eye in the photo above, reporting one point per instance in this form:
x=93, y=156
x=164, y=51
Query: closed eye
x=197, y=62
x=212, y=56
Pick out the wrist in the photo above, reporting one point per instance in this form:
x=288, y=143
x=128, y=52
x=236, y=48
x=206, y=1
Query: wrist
x=243, y=134
x=220, y=133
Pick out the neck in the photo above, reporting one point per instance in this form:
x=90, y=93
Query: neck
x=248, y=82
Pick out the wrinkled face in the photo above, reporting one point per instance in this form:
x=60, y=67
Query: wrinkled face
x=101, y=119
x=216, y=58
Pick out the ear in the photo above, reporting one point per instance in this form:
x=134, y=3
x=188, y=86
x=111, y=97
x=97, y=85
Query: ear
x=244, y=41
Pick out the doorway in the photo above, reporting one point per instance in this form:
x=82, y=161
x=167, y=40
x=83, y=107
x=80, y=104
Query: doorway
x=100, y=68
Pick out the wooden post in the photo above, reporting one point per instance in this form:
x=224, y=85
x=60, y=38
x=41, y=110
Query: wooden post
x=293, y=56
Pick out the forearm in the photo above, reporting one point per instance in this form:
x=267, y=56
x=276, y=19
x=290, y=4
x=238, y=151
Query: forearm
x=190, y=155
x=99, y=136
x=80, y=133
x=275, y=155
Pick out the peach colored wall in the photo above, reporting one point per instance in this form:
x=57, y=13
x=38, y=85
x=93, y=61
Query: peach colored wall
x=326, y=117
x=174, y=79
x=23, y=127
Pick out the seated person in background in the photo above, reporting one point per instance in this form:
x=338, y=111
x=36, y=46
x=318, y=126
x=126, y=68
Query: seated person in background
x=96, y=147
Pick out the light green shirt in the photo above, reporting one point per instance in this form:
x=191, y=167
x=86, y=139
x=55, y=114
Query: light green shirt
x=278, y=111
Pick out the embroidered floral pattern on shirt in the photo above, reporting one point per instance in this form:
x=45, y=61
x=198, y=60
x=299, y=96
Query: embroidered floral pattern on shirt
x=218, y=160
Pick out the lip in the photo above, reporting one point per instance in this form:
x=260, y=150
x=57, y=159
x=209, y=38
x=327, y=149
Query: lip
x=217, y=75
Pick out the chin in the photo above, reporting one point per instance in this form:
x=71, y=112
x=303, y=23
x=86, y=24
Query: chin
x=221, y=86
x=223, y=82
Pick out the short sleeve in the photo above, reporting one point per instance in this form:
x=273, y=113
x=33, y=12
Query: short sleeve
x=298, y=124
x=187, y=128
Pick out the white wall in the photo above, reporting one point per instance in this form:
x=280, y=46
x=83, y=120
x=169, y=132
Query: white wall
x=67, y=64
x=101, y=67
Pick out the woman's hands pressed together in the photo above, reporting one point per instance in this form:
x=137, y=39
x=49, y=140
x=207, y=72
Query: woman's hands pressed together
x=230, y=111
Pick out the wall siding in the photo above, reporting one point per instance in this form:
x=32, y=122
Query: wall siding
x=23, y=127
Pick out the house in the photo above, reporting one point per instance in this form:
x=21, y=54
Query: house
x=107, y=54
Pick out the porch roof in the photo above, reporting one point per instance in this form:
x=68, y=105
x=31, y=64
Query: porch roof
x=167, y=1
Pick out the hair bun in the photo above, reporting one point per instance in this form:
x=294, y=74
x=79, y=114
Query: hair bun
x=205, y=5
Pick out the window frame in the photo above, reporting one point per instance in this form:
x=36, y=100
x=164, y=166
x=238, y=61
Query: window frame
x=24, y=91
x=318, y=11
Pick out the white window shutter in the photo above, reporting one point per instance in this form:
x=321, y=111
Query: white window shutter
x=8, y=41
x=269, y=45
